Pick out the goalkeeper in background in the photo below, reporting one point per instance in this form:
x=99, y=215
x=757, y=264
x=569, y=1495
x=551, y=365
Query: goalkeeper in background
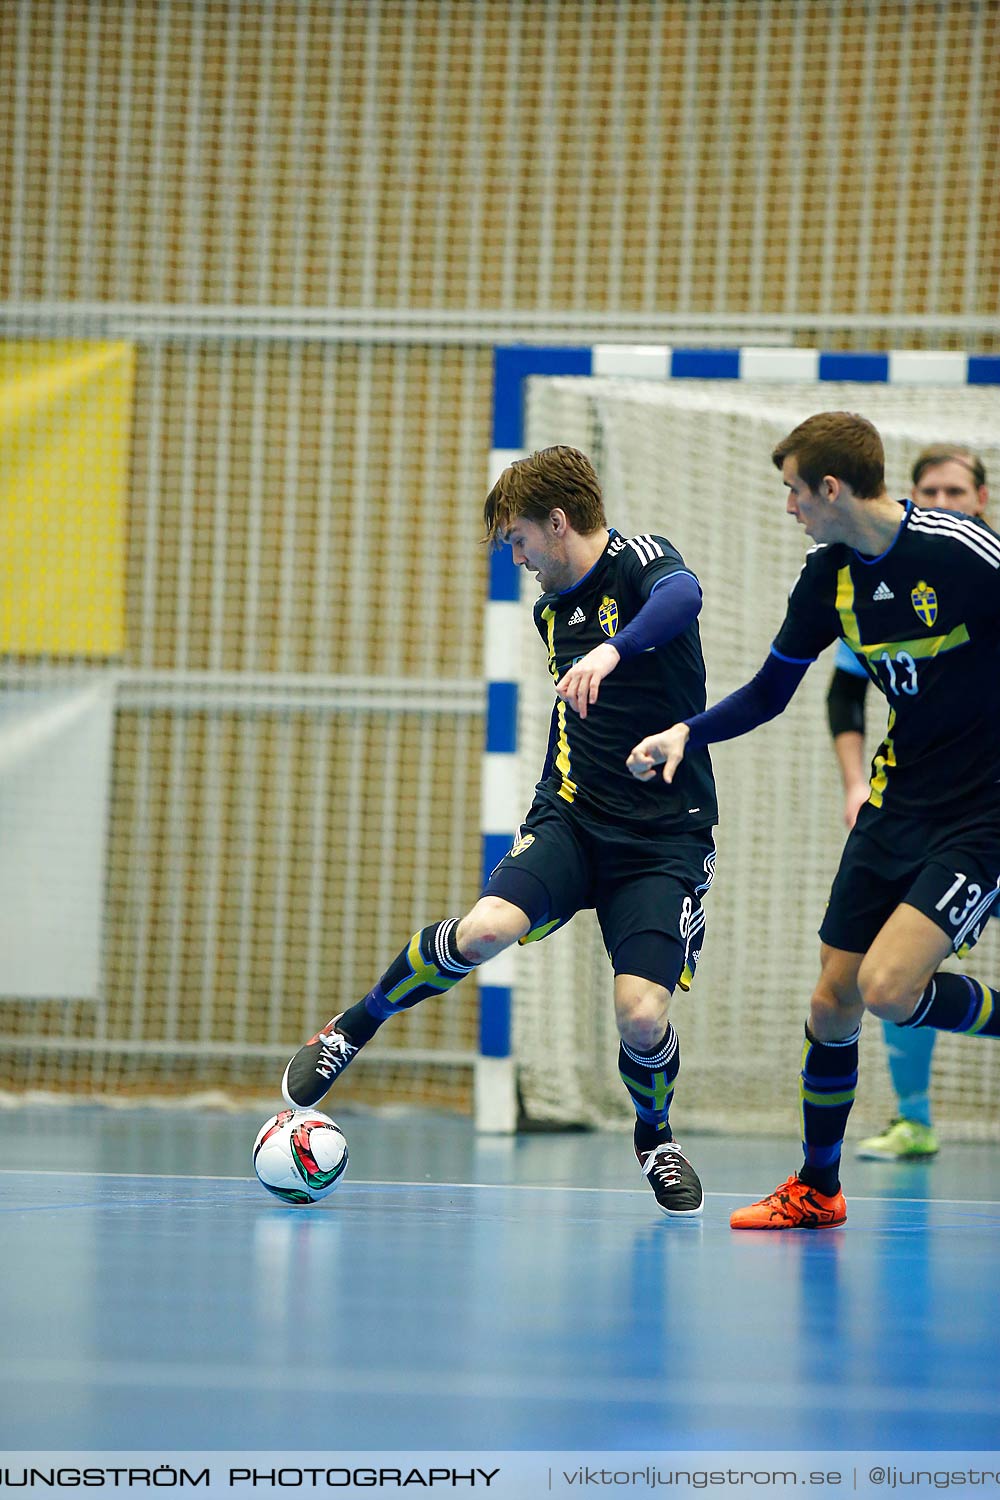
x=618, y=617
x=916, y=596
x=945, y=477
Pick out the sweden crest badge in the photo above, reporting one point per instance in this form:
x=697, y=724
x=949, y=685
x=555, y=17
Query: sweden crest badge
x=608, y=615
x=924, y=601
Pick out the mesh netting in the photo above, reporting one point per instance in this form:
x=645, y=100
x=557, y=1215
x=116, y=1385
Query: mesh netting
x=303, y=225
x=220, y=567
x=514, y=163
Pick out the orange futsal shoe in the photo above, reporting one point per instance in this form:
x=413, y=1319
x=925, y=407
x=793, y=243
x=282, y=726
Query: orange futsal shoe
x=793, y=1205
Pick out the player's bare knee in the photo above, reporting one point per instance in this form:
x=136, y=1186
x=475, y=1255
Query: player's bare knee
x=833, y=1014
x=835, y=1008
x=641, y=1014
x=887, y=994
x=490, y=927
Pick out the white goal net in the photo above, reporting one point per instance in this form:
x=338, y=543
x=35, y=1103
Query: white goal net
x=691, y=459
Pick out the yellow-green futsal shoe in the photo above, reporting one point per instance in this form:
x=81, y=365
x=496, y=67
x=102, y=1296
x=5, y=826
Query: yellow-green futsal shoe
x=905, y=1140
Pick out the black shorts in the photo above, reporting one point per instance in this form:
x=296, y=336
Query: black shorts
x=646, y=887
x=948, y=871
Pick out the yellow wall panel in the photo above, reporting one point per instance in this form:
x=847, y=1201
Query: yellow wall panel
x=65, y=413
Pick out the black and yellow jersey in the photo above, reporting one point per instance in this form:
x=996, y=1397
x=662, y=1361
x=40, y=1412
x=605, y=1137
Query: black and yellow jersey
x=923, y=620
x=585, y=765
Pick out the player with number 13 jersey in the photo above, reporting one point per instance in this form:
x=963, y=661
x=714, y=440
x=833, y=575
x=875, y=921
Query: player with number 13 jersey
x=915, y=595
x=922, y=621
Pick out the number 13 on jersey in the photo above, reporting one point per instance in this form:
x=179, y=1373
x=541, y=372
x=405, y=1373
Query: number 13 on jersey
x=898, y=673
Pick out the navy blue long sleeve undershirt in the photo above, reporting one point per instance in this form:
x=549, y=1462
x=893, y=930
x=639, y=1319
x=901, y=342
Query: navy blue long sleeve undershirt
x=670, y=608
x=761, y=699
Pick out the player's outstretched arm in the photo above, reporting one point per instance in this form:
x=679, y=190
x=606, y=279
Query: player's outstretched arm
x=763, y=698
x=665, y=749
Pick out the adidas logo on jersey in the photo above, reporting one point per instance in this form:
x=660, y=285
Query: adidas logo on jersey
x=577, y=617
x=882, y=593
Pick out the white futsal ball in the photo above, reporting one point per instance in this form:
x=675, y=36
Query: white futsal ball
x=300, y=1155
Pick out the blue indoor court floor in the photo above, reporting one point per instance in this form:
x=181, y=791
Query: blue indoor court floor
x=462, y=1292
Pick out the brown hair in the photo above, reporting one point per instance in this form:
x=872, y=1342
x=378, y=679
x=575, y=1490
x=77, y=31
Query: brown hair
x=532, y=487
x=943, y=453
x=840, y=443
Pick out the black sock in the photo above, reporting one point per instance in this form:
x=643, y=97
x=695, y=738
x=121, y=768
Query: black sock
x=648, y=1137
x=358, y=1024
x=827, y=1086
x=955, y=1002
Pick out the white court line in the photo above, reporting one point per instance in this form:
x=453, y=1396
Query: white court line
x=519, y=1187
x=145, y=1176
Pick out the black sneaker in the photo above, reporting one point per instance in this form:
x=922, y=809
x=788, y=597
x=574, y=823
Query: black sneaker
x=316, y=1066
x=674, y=1181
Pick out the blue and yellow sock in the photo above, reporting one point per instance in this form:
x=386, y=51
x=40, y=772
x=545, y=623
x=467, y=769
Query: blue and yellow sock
x=827, y=1085
x=430, y=964
x=649, y=1078
x=956, y=1002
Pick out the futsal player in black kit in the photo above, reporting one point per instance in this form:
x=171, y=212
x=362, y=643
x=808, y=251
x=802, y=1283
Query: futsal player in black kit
x=915, y=594
x=618, y=617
